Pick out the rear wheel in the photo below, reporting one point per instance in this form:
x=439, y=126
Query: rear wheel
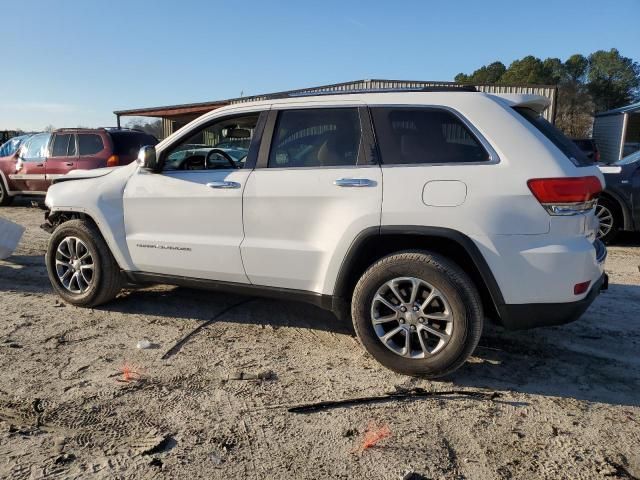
x=608, y=214
x=417, y=313
x=5, y=198
x=80, y=265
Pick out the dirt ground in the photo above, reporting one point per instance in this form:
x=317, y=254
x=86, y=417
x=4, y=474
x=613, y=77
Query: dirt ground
x=568, y=403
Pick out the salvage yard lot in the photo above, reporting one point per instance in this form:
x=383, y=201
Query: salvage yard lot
x=568, y=403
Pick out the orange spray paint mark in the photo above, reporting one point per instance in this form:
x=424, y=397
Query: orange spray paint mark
x=129, y=374
x=372, y=436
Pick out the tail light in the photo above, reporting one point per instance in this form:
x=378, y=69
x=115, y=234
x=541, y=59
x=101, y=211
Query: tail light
x=113, y=161
x=566, y=196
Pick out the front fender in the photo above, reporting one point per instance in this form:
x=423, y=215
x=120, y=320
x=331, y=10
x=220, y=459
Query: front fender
x=100, y=199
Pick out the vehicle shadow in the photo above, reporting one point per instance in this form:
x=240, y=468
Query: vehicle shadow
x=186, y=303
x=594, y=359
x=24, y=273
x=627, y=239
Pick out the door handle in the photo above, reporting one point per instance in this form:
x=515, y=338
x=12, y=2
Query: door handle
x=355, y=182
x=69, y=164
x=223, y=184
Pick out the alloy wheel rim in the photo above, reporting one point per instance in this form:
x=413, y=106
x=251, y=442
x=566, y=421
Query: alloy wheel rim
x=605, y=217
x=74, y=265
x=411, y=317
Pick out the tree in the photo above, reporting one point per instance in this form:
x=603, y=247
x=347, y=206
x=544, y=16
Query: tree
x=152, y=127
x=484, y=75
x=601, y=81
x=613, y=79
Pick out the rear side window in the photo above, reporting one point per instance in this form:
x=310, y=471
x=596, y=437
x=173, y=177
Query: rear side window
x=129, y=143
x=89, y=143
x=64, y=145
x=556, y=137
x=322, y=137
x=424, y=135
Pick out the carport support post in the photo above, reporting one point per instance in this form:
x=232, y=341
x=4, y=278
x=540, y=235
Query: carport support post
x=118, y=121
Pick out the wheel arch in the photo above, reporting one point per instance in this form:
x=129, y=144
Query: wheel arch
x=57, y=217
x=5, y=182
x=375, y=243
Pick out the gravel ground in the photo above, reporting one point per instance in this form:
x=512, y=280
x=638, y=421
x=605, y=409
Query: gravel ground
x=567, y=405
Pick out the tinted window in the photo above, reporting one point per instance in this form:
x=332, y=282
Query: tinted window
x=64, y=145
x=424, y=135
x=89, y=143
x=35, y=148
x=316, y=138
x=129, y=143
x=556, y=137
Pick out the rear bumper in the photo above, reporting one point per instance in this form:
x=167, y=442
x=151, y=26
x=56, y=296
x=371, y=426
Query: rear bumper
x=531, y=315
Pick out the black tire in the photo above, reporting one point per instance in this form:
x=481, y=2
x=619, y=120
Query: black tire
x=609, y=207
x=5, y=198
x=458, y=290
x=106, y=278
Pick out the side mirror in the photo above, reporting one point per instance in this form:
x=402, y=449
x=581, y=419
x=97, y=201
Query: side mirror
x=147, y=158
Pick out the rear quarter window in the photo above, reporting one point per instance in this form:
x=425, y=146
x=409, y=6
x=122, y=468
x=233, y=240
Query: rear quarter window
x=420, y=135
x=129, y=143
x=555, y=136
x=89, y=144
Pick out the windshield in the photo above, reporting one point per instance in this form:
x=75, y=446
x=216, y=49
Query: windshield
x=556, y=137
x=11, y=146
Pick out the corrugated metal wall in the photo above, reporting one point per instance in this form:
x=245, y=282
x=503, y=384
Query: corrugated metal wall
x=546, y=91
x=607, y=132
x=550, y=92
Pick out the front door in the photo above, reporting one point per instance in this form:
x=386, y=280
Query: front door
x=317, y=186
x=187, y=220
x=29, y=175
x=63, y=156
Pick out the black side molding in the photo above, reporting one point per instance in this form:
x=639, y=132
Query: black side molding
x=323, y=301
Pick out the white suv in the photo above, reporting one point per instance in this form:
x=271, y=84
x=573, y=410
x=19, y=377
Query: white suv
x=417, y=213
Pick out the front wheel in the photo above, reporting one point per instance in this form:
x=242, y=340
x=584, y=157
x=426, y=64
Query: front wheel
x=417, y=313
x=5, y=198
x=80, y=265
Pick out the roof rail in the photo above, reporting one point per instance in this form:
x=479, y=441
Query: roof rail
x=311, y=93
x=69, y=129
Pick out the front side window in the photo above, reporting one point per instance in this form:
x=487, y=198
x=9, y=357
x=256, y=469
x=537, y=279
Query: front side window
x=89, y=144
x=64, y=145
x=223, y=144
x=424, y=135
x=35, y=149
x=327, y=137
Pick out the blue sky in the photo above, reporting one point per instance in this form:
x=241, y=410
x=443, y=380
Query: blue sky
x=70, y=63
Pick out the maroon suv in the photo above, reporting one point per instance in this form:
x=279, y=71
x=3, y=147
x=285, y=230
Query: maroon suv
x=43, y=157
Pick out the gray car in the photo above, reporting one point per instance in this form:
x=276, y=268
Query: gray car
x=619, y=204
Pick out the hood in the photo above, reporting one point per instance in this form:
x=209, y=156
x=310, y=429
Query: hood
x=83, y=174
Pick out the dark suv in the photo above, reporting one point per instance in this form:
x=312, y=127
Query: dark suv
x=43, y=157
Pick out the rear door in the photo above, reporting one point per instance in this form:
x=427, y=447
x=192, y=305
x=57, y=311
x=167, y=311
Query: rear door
x=317, y=186
x=63, y=156
x=29, y=176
